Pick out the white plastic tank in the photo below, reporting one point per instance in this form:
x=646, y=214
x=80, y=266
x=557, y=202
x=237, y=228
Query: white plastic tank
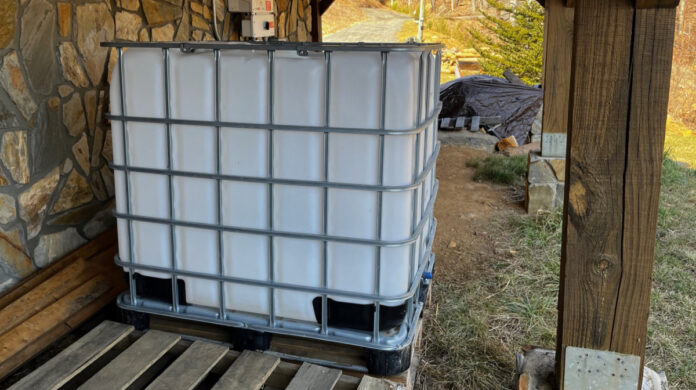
x=299, y=99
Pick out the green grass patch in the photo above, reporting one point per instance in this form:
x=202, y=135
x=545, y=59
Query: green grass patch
x=499, y=169
x=482, y=320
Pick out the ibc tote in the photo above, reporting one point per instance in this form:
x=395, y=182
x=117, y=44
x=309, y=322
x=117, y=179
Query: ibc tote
x=279, y=187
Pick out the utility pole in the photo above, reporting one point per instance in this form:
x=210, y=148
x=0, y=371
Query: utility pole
x=419, y=38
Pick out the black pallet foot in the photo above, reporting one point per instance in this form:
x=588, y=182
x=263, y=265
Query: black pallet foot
x=140, y=321
x=387, y=363
x=251, y=340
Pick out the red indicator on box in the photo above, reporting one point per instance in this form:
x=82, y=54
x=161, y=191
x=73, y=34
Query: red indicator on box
x=268, y=5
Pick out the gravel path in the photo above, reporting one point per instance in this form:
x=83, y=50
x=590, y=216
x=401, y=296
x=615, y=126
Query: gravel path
x=382, y=26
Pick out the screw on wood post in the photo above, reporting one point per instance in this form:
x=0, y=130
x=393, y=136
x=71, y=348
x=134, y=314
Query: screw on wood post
x=619, y=91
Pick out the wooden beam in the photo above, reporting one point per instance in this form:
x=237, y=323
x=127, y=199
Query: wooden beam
x=618, y=108
x=643, y=4
x=316, y=21
x=558, y=49
x=640, y=4
x=96, y=245
x=324, y=5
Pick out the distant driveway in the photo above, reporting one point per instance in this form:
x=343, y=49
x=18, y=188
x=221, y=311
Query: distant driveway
x=382, y=26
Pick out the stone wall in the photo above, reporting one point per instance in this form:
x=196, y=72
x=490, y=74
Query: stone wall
x=56, y=190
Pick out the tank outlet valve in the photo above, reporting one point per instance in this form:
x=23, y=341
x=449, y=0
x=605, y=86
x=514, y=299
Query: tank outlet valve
x=427, y=275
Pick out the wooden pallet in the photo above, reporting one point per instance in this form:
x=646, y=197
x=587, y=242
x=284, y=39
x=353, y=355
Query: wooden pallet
x=349, y=358
x=52, y=302
x=114, y=356
x=473, y=123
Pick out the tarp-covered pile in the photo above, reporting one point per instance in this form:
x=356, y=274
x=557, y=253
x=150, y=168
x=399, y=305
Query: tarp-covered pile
x=488, y=96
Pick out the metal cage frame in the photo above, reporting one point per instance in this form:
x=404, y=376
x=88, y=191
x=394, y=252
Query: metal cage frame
x=419, y=280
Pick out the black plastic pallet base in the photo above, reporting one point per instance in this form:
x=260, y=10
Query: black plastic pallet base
x=378, y=362
x=388, y=363
x=139, y=320
x=253, y=340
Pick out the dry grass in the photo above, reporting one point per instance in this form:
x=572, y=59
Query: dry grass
x=345, y=13
x=680, y=142
x=480, y=320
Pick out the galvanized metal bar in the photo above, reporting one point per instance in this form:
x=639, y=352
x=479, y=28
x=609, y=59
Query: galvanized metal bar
x=271, y=261
x=280, y=46
x=380, y=194
x=218, y=152
x=289, y=286
x=305, y=183
x=276, y=233
x=436, y=92
x=325, y=217
x=264, y=126
x=286, y=327
x=428, y=85
x=170, y=187
x=416, y=174
x=126, y=178
x=291, y=327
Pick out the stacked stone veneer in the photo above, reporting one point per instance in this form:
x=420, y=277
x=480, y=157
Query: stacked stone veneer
x=56, y=188
x=545, y=183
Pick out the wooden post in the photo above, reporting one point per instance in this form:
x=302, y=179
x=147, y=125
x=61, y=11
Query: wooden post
x=558, y=39
x=316, y=20
x=618, y=107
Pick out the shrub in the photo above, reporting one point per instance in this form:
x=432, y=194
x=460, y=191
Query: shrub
x=513, y=39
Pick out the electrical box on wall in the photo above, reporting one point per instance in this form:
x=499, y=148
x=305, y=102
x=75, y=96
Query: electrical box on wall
x=259, y=19
x=259, y=25
x=250, y=6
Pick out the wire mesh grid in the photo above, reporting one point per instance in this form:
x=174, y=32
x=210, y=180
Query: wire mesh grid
x=422, y=183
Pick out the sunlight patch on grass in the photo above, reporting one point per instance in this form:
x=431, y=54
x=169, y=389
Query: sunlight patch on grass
x=680, y=141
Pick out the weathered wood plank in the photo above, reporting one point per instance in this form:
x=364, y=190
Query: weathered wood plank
x=133, y=362
x=50, y=322
x=45, y=293
x=370, y=383
x=558, y=49
x=653, y=40
x=475, y=120
x=313, y=377
x=644, y=4
x=248, y=372
x=72, y=360
x=96, y=245
x=190, y=368
x=593, y=215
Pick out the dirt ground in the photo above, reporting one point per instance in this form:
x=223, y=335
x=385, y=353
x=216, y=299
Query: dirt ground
x=465, y=210
x=469, y=243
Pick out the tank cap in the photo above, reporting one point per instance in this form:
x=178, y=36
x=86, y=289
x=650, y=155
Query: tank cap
x=427, y=275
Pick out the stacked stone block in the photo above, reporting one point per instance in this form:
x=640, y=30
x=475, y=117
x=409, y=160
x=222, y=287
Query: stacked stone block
x=545, y=183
